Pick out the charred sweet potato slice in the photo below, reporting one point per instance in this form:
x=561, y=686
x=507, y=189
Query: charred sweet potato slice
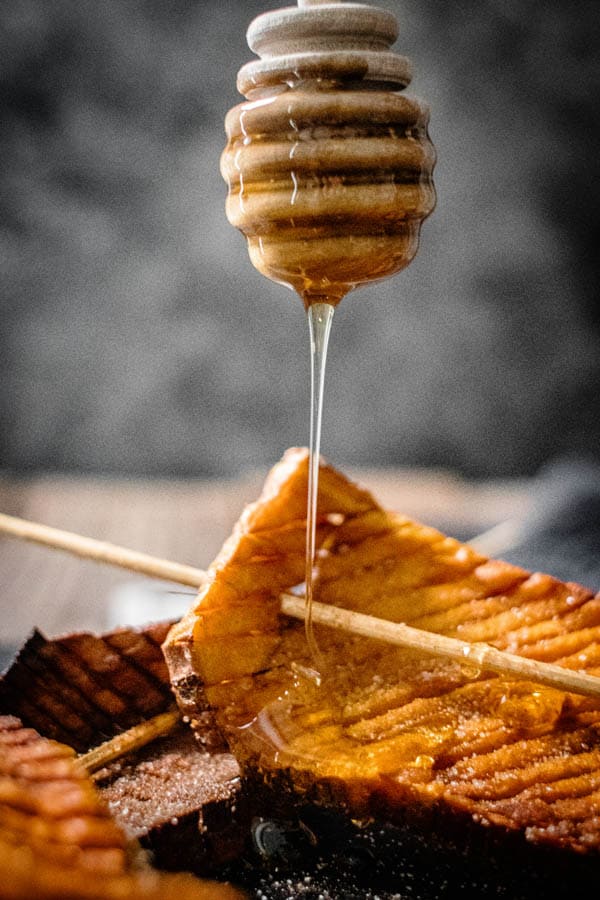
x=390, y=728
x=180, y=801
x=82, y=688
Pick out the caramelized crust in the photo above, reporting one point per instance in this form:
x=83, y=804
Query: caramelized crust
x=57, y=839
x=390, y=729
x=84, y=688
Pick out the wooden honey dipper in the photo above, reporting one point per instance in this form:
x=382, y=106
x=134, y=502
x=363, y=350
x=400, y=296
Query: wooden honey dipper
x=329, y=167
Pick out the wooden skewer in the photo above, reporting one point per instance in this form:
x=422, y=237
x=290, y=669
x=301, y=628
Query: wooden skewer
x=100, y=551
x=479, y=655
x=128, y=741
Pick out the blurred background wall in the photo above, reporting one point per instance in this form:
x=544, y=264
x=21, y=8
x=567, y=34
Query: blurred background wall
x=135, y=336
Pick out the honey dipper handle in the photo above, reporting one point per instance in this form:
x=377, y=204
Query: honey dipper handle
x=332, y=40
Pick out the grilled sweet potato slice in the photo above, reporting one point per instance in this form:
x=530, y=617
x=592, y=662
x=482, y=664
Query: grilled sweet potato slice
x=57, y=839
x=390, y=729
x=83, y=689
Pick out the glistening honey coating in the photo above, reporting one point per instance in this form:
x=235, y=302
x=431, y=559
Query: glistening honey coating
x=392, y=730
x=329, y=168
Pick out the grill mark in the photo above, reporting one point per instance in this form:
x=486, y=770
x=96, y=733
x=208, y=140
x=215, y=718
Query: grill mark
x=65, y=694
x=384, y=548
x=76, y=674
x=46, y=692
x=562, y=646
x=572, y=807
x=566, y=789
x=160, y=668
x=441, y=709
x=49, y=815
x=39, y=655
x=117, y=710
x=16, y=737
x=519, y=755
x=137, y=661
x=501, y=628
x=69, y=839
x=536, y=811
x=51, y=770
x=105, y=668
x=338, y=585
x=567, y=627
x=423, y=687
x=434, y=606
x=510, y=782
x=126, y=657
x=46, y=752
x=58, y=659
x=495, y=627
x=459, y=618
x=483, y=743
x=588, y=657
x=512, y=595
x=584, y=835
x=32, y=715
x=340, y=589
x=480, y=734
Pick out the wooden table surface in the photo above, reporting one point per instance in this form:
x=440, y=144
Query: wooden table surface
x=185, y=521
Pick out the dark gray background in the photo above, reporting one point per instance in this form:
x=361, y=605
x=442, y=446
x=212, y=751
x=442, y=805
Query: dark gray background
x=136, y=338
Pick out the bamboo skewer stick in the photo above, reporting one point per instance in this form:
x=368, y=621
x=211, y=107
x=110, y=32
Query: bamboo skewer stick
x=478, y=654
x=128, y=741
x=101, y=551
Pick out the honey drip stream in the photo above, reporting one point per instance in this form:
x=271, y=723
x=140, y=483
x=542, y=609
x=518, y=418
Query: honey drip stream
x=329, y=173
x=320, y=316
